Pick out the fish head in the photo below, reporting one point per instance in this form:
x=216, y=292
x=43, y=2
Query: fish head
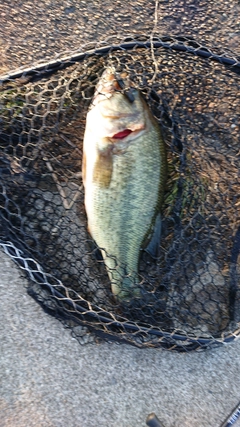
x=118, y=118
x=118, y=111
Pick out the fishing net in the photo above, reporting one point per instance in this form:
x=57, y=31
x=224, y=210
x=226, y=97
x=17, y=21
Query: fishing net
x=190, y=293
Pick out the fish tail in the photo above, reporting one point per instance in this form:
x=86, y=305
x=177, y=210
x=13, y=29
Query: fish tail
x=124, y=285
x=124, y=288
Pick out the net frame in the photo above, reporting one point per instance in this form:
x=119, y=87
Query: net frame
x=104, y=324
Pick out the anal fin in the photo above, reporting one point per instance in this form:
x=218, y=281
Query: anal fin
x=153, y=246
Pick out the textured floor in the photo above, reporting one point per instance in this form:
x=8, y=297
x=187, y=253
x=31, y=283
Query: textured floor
x=30, y=30
x=49, y=380
x=46, y=378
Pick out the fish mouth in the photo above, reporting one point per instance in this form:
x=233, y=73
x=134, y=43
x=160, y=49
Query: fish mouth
x=113, y=81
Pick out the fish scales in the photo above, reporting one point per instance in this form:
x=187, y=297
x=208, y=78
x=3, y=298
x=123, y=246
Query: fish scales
x=124, y=182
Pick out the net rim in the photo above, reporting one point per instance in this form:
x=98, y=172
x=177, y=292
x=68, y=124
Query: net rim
x=191, y=343
x=174, y=43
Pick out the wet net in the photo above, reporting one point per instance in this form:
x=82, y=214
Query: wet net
x=190, y=293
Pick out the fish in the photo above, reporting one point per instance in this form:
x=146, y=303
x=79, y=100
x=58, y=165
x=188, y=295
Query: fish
x=124, y=171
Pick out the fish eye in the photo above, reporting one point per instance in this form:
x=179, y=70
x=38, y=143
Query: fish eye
x=119, y=84
x=130, y=95
x=124, y=75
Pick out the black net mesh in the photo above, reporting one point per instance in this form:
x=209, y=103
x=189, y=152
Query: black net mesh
x=190, y=294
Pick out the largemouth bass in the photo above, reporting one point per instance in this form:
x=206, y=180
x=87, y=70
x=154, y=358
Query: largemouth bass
x=124, y=171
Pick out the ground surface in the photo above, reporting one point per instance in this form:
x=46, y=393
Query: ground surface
x=47, y=378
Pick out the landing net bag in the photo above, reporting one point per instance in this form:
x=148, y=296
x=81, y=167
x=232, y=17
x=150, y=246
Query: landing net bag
x=192, y=289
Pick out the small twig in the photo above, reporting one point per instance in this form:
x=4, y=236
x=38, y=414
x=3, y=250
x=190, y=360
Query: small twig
x=62, y=193
x=69, y=142
x=233, y=417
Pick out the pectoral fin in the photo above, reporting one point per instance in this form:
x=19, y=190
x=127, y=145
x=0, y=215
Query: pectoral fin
x=153, y=246
x=103, y=167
